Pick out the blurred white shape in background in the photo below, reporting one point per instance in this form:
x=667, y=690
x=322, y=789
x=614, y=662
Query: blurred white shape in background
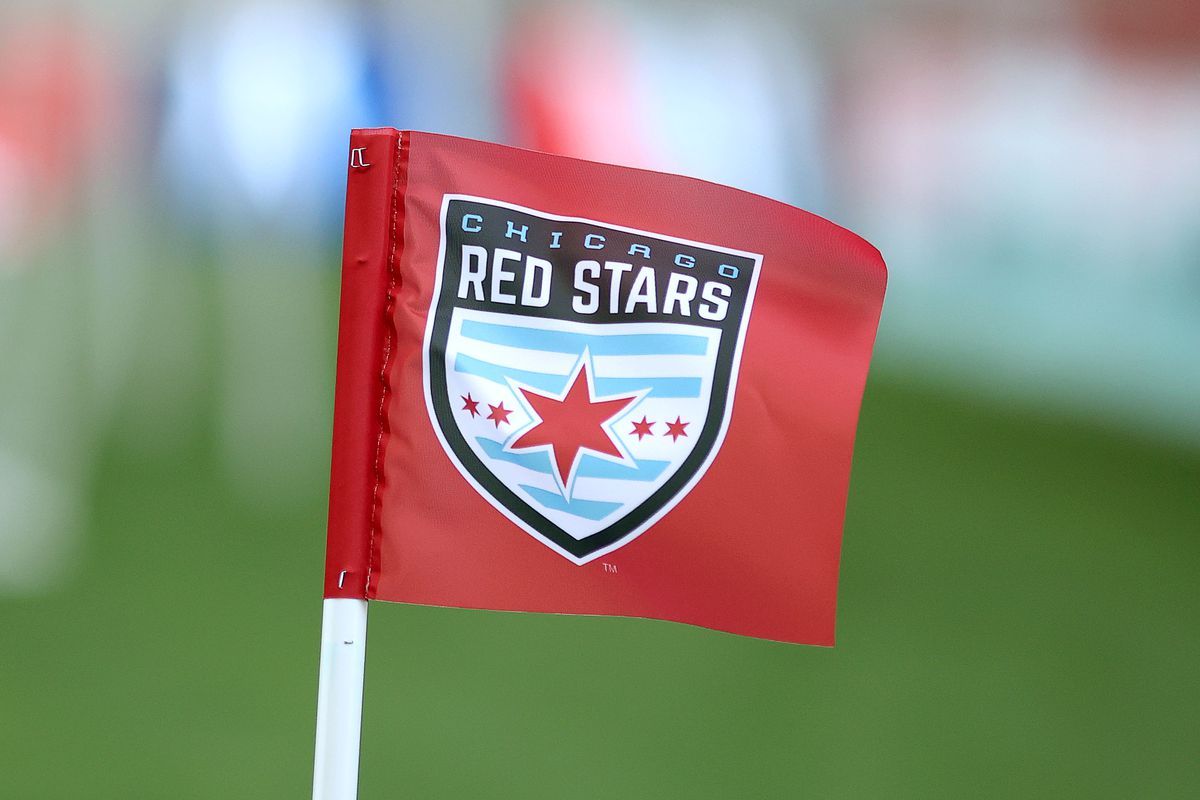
x=1037, y=202
x=261, y=99
x=724, y=96
x=59, y=108
x=715, y=93
x=40, y=514
x=281, y=73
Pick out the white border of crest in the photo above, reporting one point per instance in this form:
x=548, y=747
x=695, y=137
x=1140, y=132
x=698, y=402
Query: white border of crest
x=731, y=392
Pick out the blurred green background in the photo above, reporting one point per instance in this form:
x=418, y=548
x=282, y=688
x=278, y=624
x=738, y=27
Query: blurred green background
x=1018, y=617
x=1019, y=614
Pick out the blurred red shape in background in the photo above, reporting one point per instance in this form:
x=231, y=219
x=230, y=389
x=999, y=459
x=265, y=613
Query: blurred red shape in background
x=59, y=106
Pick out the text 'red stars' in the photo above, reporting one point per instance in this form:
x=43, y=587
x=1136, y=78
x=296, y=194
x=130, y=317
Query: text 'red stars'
x=571, y=424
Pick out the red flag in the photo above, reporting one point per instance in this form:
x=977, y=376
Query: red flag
x=577, y=388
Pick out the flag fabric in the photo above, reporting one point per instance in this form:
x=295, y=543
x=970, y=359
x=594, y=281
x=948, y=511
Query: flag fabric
x=571, y=387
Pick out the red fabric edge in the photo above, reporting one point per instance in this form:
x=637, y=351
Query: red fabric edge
x=372, y=192
x=396, y=251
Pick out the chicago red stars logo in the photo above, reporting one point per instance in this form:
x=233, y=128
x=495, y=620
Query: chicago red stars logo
x=579, y=374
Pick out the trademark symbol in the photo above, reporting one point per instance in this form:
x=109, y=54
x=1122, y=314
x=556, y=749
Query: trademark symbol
x=609, y=567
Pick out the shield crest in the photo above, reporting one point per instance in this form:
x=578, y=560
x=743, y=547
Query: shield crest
x=579, y=374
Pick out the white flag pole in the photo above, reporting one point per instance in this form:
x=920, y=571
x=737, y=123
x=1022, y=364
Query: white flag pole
x=339, y=698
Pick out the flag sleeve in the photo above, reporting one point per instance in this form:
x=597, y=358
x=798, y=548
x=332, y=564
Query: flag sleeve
x=371, y=244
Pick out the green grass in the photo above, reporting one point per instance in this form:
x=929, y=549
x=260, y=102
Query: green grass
x=1019, y=618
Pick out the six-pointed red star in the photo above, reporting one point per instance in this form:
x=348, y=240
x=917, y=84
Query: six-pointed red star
x=642, y=428
x=499, y=413
x=471, y=405
x=571, y=424
x=676, y=429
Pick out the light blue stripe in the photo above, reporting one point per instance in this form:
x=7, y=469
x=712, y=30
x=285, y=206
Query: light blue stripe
x=589, y=466
x=496, y=374
x=617, y=344
x=588, y=509
x=659, y=387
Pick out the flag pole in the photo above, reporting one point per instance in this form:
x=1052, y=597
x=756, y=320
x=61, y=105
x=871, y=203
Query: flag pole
x=339, y=698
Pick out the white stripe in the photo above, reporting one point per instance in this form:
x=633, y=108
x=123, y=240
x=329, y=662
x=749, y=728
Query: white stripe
x=512, y=474
x=653, y=366
x=616, y=490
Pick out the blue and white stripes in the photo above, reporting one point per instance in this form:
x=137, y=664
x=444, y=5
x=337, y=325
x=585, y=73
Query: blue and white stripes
x=667, y=368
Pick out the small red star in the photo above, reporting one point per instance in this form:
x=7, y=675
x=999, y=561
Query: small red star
x=642, y=428
x=676, y=429
x=472, y=405
x=499, y=414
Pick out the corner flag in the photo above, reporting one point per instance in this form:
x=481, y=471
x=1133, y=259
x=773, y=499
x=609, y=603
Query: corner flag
x=571, y=387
